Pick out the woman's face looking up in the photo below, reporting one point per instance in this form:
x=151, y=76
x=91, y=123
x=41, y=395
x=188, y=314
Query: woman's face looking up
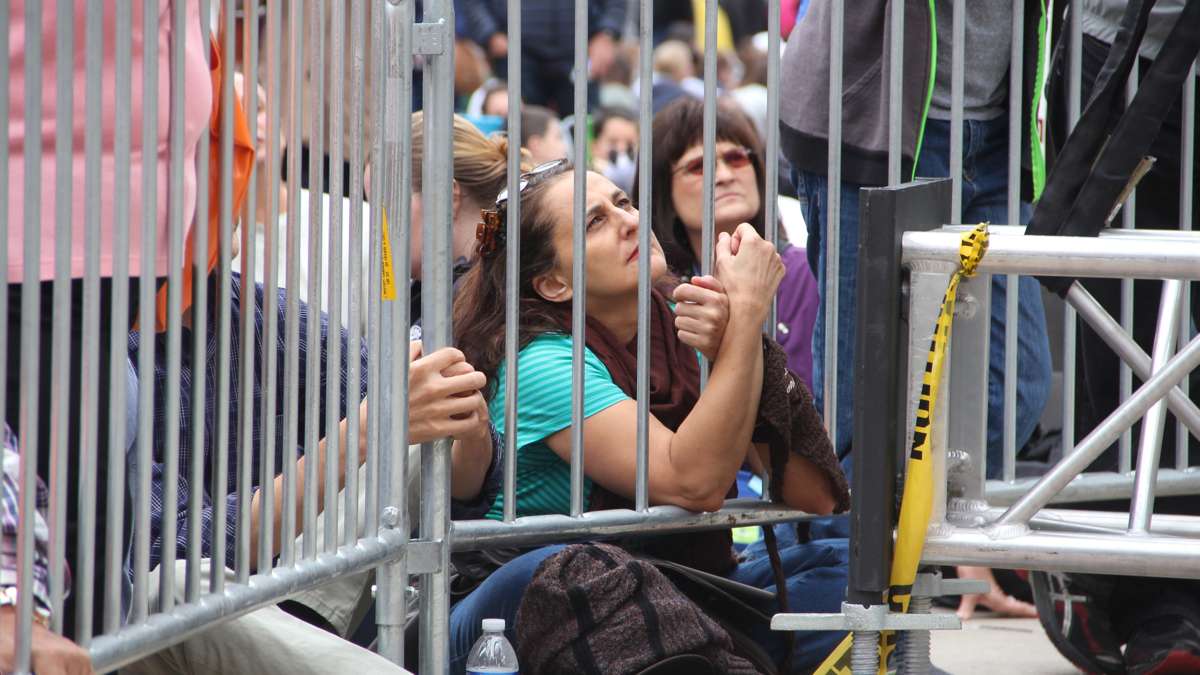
x=611, y=223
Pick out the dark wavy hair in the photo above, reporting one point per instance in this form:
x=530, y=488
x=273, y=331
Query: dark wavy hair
x=479, y=303
x=677, y=128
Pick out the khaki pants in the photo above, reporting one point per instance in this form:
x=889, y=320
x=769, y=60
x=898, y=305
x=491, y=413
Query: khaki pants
x=270, y=641
x=266, y=641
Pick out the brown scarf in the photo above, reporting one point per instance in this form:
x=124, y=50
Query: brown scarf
x=674, y=390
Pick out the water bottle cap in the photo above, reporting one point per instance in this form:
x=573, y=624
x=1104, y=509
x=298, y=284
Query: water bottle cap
x=493, y=625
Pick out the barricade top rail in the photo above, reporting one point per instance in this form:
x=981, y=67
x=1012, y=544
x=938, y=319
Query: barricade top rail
x=1141, y=254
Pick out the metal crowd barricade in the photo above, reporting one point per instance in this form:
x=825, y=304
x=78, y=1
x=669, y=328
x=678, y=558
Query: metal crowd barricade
x=307, y=47
x=970, y=529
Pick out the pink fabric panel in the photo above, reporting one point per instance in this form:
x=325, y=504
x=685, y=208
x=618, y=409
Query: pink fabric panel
x=197, y=104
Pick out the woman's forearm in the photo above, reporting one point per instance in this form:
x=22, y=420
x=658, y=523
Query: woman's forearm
x=710, y=445
x=470, y=461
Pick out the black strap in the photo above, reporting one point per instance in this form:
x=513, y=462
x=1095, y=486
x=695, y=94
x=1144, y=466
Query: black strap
x=1106, y=146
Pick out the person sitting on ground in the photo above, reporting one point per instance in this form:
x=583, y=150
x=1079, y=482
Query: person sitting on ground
x=697, y=440
x=51, y=653
x=739, y=190
x=443, y=400
x=541, y=134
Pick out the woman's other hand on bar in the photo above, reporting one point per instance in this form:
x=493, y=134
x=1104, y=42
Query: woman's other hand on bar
x=701, y=314
x=444, y=395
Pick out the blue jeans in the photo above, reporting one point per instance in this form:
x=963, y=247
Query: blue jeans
x=816, y=574
x=985, y=198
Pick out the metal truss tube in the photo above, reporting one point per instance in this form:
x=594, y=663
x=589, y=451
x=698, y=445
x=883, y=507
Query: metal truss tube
x=1113, y=257
x=1129, y=351
x=1126, y=414
x=1150, y=448
x=1150, y=556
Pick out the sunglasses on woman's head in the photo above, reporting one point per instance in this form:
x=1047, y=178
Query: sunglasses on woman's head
x=529, y=178
x=734, y=158
x=489, y=233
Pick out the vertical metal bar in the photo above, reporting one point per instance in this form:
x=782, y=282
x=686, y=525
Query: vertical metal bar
x=512, y=264
x=199, y=370
x=771, y=162
x=174, y=308
x=354, y=254
x=30, y=343
x=270, y=275
x=89, y=408
x=436, y=295
x=957, y=67
x=579, y=269
x=245, y=479
x=291, y=363
x=379, y=186
x=1150, y=445
x=225, y=318
x=333, y=380
x=146, y=307
x=895, y=92
x=60, y=401
x=1187, y=186
x=1075, y=64
x=119, y=345
x=833, y=221
x=1012, y=282
x=1128, y=221
x=1070, y=325
x=393, y=578
x=645, y=190
x=316, y=183
x=709, y=138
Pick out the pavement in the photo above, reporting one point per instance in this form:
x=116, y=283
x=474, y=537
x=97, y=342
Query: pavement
x=988, y=645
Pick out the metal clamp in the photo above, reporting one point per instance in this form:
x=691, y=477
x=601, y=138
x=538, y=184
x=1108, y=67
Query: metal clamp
x=424, y=557
x=933, y=585
x=430, y=38
x=868, y=618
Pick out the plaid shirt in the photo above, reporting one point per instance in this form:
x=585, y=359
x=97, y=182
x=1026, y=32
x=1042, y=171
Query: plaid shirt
x=212, y=365
x=10, y=492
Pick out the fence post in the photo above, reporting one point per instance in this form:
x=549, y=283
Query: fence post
x=881, y=350
x=436, y=299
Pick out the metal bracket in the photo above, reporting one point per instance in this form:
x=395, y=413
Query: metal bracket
x=424, y=557
x=430, y=39
x=932, y=585
x=870, y=618
x=877, y=617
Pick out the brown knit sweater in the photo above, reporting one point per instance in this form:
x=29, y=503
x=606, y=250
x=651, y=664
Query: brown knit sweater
x=788, y=422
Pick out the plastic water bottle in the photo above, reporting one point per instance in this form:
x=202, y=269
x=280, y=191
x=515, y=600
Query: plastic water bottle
x=492, y=652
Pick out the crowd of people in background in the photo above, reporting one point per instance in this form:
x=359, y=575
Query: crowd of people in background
x=755, y=428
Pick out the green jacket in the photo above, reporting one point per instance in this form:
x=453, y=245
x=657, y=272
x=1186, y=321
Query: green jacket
x=866, y=64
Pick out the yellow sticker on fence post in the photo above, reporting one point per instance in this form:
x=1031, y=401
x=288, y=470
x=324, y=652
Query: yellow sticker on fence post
x=387, y=276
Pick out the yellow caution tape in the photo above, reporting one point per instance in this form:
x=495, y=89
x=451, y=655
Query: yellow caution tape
x=387, y=276
x=916, y=505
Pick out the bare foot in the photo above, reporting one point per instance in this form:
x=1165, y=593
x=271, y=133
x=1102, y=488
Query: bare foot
x=996, y=600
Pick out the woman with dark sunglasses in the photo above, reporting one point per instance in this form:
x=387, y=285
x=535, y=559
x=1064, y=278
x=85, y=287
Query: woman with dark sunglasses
x=739, y=183
x=697, y=439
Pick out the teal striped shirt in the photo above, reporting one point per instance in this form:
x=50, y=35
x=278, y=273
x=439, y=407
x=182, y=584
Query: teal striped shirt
x=543, y=409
